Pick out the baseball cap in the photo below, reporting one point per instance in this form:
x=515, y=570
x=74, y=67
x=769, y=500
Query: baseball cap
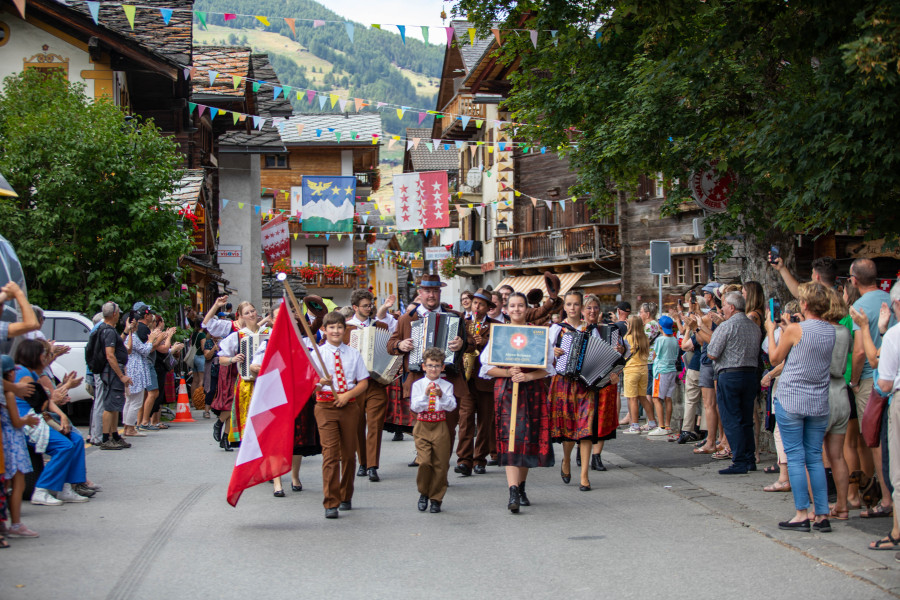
x=141, y=309
x=666, y=324
x=8, y=363
x=711, y=287
x=624, y=306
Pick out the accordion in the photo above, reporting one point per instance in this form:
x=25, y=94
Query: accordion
x=249, y=345
x=434, y=329
x=588, y=358
x=372, y=345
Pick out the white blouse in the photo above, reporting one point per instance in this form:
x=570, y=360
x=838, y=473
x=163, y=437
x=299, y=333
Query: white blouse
x=485, y=367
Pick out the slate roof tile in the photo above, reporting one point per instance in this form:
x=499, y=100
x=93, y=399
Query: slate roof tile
x=438, y=160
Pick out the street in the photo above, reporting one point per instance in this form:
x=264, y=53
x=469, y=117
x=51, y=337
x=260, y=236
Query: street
x=161, y=528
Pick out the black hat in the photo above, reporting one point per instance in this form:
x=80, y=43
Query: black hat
x=484, y=295
x=534, y=296
x=624, y=306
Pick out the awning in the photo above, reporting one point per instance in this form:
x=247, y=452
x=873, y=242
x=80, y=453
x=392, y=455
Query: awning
x=603, y=287
x=524, y=283
x=696, y=249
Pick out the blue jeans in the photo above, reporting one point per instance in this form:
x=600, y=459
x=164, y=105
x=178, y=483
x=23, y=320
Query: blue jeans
x=802, y=437
x=66, y=461
x=735, y=395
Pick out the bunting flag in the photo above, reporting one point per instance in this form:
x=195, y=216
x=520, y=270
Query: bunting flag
x=263, y=20
x=425, y=33
x=166, y=14
x=349, y=26
x=402, y=30
x=93, y=7
x=129, y=10
x=290, y=23
x=422, y=200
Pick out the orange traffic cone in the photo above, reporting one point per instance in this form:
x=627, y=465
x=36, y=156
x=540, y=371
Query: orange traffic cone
x=183, y=413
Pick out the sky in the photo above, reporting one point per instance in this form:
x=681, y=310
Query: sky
x=400, y=12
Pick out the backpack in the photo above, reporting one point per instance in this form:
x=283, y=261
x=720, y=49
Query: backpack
x=95, y=352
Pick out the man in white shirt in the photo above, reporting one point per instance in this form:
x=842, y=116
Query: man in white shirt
x=372, y=404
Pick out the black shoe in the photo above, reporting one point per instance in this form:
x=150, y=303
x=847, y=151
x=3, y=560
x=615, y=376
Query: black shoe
x=566, y=478
x=798, y=526
x=346, y=505
x=733, y=470
x=513, y=504
x=361, y=471
x=373, y=474
x=278, y=494
x=584, y=488
x=436, y=506
x=217, y=430
x=479, y=470
x=331, y=513
x=297, y=488
x=597, y=463
x=578, y=459
x=398, y=436
x=493, y=463
x=413, y=463
x=523, y=499
x=225, y=445
x=423, y=503
x=822, y=526
x=684, y=437
x=752, y=467
x=463, y=469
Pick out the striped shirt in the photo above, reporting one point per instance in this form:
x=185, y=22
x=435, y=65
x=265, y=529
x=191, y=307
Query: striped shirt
x=803, y=385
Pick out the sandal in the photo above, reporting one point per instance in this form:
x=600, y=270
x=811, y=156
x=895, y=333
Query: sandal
x=778, y=486
x=772, y=469
x=162, y=425
x=3, y=542
x=702, y=451
x=721, y=455
x=878, y=511
x=882, y=543
x=836, y=514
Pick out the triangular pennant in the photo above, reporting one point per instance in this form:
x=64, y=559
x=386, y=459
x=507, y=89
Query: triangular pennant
x=399, y=113
x=465, y=120
x=310, y=95
x=402, y=30
x=256, y=122
x=263, y=20
x=502, y=146
x=191, y=107
x=562, y=204
x=425, y=34
x=543, y=149
x=349, y=26
x=391, y=143
x=376, y=26
x=459, y=145
x=449, y=31
x=553, y=33
x=533, y=34
x=224, y=202
x=359, y=102
x=353, y=136
x=290, y=23
x=409, y=144
x=202, y=107
x=129, y=10
x=241, y=205
x=236, y=79
x=333, y=98
x=188, y=71
x=422, y=117
x=201, y=16
x=318, y=133
x=430, y=146
x=256, y=85
x=416, y=142
x=295, y=235
x=322, y=101
x=299, y=129
x=318, y=23
x=479, y=123
x=212, y=77
x=213, y=112
x=166, y=14
x=337, y=135
x=20, y=6
x=235, y=116
x=496, y=33
x=343, y=104
x=276, y=90
x=327, y=236
x=471, y=36
x=549, y=204
x=534, y=202
x=436, y=142
x=472, y=149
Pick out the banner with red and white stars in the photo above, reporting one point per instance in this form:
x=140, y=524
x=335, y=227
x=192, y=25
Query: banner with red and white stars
x=421, y=200
x=276, y=239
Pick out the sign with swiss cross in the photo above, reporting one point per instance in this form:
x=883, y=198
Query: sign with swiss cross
x=518, y=346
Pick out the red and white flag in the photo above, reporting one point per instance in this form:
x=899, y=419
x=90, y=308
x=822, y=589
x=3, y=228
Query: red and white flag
x=421, y=200
x=885, y=284
x=276, y=239
x=283, y=387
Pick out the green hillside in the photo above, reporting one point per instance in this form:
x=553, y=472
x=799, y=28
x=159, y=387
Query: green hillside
x=376, y=65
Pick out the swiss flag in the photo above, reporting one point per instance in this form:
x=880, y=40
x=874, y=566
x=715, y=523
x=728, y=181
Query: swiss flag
x=285, y=382
x=885, y=284
x=276, y=239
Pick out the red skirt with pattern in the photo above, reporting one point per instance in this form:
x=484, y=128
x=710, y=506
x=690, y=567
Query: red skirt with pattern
x=573, y=410
x=225, y=391
x=398, y=417
x=607, y=412
x=533, y=447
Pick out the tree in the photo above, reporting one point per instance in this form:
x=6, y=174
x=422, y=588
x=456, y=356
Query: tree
x=88, y=225
x=770, y=90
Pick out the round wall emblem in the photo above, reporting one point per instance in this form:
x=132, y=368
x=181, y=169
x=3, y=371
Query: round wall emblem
x=711, y=189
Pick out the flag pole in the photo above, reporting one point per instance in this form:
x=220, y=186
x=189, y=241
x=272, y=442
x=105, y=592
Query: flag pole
x=512, y=416
x=303, y=322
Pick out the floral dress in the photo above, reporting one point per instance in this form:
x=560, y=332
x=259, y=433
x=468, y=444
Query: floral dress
x=15, y=449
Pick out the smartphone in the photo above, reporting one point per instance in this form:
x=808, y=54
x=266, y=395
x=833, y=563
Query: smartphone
x=774, y=254
x=693, y=296
x=775, y=309
x=795, y=318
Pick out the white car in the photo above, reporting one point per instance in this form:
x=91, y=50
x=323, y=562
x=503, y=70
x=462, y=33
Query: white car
x=71, y=329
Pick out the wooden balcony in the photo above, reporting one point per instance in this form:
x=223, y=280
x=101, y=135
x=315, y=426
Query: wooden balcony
x=462, y=104
x=320, y=280
x=569, y=245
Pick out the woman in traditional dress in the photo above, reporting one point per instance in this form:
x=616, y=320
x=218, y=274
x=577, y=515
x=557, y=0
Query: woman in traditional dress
x=606, y=416
x=532, y=442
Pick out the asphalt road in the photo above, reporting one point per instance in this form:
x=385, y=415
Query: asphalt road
x=162, y=529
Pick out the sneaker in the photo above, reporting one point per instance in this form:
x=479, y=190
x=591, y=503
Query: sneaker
x=632, y=429
x=121, y=442
x=650, y=426
x=83, y=490
x=19, y=530
x=68, y=495
x=151, y=427
x=110, y=444
x=659, y=431
x=43, y=497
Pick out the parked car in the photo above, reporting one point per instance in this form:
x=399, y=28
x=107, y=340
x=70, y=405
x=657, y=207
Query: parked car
x=71, y=329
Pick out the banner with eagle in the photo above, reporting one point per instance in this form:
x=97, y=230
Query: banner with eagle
x=328, y=204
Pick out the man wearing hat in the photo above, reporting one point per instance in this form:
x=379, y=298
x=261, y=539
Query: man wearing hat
x=401, y=343
x=476, y=442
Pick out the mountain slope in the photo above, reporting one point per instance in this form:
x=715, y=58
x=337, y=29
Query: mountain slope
x=376, y=66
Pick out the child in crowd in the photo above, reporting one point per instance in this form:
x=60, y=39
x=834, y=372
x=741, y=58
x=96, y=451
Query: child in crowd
x=664, y=375
x=337, y=415
x=15, y=450
x=635, y=373
x=431, y=397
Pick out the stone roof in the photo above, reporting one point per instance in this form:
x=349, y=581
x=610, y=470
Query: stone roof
x=266, y=139
x=266, y=104
x=471, y=54
x=227, y=61
x=172, y=41
x=187, y=193
x=438, y=160
x=321, y=129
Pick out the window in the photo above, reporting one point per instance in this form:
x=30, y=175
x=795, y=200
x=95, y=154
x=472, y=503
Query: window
x=660, y=187
x=276, y=161
x=698, y=270
x=317, y=255
x=47, y=62
x=391, y=288
x=665, y=279
x=680, y=271
x=266, y=204
x=4, y=34
x=70, y=330
x=488, y=222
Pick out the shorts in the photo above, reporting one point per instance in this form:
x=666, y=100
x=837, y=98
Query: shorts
x=199, y=362
x=649, y=391
x=635, y=382
x=113, y=389
x=667, y=382
x=862, y=395
x=154, y=380
x=838, y=416
x=706, y=377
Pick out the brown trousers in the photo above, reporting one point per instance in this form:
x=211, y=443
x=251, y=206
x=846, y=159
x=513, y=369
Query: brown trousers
x=337, y=432
x=433, y=449
x=476, y=428
x=372, y=408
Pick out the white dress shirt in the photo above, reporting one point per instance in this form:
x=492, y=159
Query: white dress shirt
x=418, y=400
x=351, y=361
x=388, y=320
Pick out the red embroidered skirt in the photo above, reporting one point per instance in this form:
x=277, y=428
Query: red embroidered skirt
x=533, y=447
x=225, y=391
x=573, y=410
x=607, y=412
x=398, y=417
